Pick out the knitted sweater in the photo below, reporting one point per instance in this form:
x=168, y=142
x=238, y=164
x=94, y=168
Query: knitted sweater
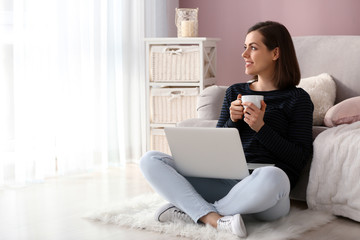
x=286, y=138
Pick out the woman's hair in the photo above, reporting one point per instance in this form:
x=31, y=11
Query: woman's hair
x=287, y=71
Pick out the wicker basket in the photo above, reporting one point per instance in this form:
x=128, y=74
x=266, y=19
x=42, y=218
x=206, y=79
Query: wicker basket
x=172, y=105
x=158, y=141
x=174, y=63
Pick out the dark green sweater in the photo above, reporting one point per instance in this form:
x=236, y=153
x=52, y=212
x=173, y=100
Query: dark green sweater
x=286, y=138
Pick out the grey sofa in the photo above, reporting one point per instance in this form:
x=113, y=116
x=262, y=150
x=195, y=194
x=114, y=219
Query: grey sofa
x=338, y=56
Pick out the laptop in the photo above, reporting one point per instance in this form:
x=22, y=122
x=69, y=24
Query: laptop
x=208, y=152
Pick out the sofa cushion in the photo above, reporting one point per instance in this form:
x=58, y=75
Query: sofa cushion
x=322, y=91
x=345, y=112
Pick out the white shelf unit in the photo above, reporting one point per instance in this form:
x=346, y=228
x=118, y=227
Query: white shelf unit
x=206, y=48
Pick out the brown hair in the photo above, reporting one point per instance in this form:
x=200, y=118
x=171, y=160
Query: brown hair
x=287, y=71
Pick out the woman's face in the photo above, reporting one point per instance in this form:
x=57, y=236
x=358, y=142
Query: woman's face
x=258, y=59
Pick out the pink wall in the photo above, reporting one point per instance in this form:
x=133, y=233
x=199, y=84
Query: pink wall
x=230, y=19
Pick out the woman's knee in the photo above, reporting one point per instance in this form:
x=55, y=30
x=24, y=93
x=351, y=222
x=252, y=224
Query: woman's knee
x=274, y=178
x=149, y=161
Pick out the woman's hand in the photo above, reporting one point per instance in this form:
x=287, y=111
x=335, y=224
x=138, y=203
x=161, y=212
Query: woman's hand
x=236, y=109
x=254, y=116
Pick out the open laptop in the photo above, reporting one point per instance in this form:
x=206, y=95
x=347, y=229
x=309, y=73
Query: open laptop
x=208, y=152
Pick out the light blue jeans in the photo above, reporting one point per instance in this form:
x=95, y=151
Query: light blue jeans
x=263, y=194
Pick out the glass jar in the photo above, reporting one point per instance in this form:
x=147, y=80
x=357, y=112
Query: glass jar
x=186, y=21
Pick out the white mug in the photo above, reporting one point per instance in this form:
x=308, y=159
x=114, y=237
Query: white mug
x=255, y=99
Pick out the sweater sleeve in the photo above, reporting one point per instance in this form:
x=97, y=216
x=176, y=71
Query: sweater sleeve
x=296, y=148
x=224, y=119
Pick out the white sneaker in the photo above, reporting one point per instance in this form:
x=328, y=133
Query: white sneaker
x=233, y=224
x=170, y=213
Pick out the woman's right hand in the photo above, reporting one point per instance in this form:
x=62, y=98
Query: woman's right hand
x=236, y=109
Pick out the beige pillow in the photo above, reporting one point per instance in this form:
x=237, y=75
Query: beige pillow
x=345, y=112
x=322, y=91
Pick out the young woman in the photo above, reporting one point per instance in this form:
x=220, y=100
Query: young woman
x=280, y=133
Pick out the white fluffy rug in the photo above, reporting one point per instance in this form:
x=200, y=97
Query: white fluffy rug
x=139, y=213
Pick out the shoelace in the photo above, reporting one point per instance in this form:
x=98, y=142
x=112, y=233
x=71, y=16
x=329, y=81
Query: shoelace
x=224, y=224
x=181, y=215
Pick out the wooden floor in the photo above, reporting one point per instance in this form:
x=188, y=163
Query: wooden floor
x=55, y=209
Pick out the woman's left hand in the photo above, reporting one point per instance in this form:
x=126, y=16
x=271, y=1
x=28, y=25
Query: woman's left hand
x=254, y=116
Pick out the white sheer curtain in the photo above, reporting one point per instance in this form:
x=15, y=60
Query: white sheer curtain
x=72, y=90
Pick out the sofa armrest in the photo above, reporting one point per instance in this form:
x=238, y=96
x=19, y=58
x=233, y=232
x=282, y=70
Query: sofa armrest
x=210, y=102
x=196, y=122
x=209, y=105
